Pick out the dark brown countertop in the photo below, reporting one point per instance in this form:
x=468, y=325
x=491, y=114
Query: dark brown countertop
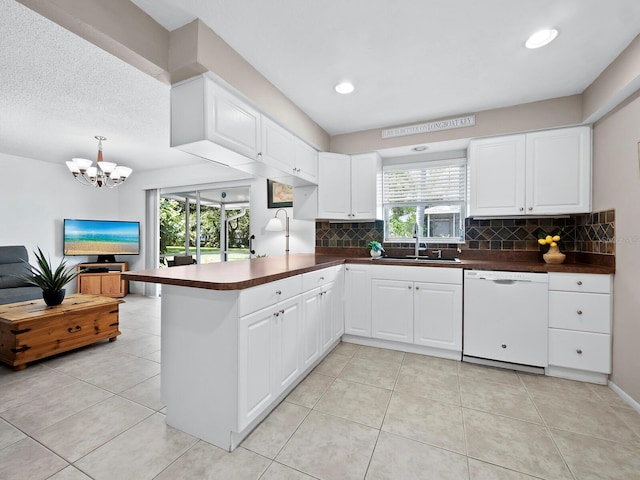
x=243, y=274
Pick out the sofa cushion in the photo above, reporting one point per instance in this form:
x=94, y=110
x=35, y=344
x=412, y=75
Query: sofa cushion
x=14, y=269
x=20, y=294
x=10, y=281
x=13, y=254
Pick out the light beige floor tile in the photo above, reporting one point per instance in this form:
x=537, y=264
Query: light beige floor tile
x=140, y=453
x=514, y=444
x=154, y=357
x=485, y=471
x=332, y=364
x=481, y=372
x=593, y=459
x=431, y=365
x=55, y=406
x=606, y=394
x=84, y=361
x=387, y=355
x=69, y=473
x=139, y=347
x=28, y=460
x=346, y=349
x=277, y=471
x=552, y=388
x=595, y=419
x=146, y=393
x=400, y=458
x=355, y=401
x=435, y=384
x=425, y=420
x=205, y=461
x=330, y=448
x=271, y=435
x=309, y=391
x=24, y=390
x=498, y=398
x=8, y=375
x=371, y=371
x=79, y=434
x=629, y=416
x=116, y=380
x=9, y=434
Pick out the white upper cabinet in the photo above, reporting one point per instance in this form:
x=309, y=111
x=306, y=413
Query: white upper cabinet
x=539, y=173
x=214, y=123
x=347, y=186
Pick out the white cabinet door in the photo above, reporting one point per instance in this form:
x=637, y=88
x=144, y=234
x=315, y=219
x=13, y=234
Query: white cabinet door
x=338, y=317
x=357, y=300
x=334, y=186
x=438, y=316
x=559, y=171
x=328, y=312
x=364, y=178
x=311, y=317
x=277, y=146
x=231, y=122
x=286, y=338
x=497, y=176
x=392, y=310
x=255, y=354
x=306, y=161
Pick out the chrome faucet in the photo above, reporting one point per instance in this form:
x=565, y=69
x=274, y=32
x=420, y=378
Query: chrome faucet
x=416, y=235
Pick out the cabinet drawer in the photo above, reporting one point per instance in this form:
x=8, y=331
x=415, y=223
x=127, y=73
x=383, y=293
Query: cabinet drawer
x=580, y=350
x=254, y=298
x=576, y=282
x=588, y=312
x=318, y=278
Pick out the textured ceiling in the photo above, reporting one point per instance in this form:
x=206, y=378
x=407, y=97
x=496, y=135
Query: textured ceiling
x=414, y=60
x=57, y=91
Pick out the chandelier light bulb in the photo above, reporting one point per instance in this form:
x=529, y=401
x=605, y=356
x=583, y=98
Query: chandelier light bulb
x=102, y=174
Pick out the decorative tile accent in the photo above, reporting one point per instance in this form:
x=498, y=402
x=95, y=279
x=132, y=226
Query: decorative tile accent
x=589, y=233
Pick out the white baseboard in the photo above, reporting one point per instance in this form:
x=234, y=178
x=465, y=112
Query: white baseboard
x=403, y=347
x=625, y=396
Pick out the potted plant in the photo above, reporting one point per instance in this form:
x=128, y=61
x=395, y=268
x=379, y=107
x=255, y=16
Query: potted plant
x=49, y=280
x=375, y=248
x=553, y=255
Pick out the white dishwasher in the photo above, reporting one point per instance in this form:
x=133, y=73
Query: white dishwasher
x=506, y=317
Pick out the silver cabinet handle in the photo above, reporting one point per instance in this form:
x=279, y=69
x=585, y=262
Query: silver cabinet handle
x=522, y=209
x=276, y=314
x=346, y=268
x=278, y=292
x=409, y=287
x=579, y=351
x=579, y=312
x=530, y=208
x=417, y=288
x=321, y=278
x=504, y=345
x=282, y=312
x=579, y=282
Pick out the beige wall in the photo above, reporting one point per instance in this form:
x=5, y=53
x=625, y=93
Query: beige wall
x=616, y=184
x=551, y=113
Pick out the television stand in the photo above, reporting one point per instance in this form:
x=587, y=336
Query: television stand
x=103, y=279
x=106, y=259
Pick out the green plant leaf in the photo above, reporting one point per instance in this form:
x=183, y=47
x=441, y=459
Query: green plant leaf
x=47, y=278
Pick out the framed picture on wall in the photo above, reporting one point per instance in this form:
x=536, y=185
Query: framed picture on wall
x=279, y=195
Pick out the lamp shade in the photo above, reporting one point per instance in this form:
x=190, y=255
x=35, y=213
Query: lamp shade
x=274, y=225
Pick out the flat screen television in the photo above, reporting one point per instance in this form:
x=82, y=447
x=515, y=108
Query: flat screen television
x=105, y=238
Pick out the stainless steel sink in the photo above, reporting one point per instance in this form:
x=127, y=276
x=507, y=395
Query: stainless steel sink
x=413, y=258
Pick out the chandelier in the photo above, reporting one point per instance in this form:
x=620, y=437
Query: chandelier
x=104, y=174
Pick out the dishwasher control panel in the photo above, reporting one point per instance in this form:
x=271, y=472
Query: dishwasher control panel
x=500, y=275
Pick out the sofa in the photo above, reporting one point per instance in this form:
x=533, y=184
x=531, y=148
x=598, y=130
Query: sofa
x=12, y=267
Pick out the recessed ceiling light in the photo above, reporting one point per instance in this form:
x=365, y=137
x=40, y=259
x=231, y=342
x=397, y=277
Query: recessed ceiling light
x=421, y=148
x=345, y=87
x=541, y=38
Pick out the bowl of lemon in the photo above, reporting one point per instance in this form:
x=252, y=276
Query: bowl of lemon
x=553, y=256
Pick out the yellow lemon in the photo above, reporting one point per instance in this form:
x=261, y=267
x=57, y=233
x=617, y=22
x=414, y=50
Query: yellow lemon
x=554, y=244
x=542, y=241
x=556, y=238
x=549, y=239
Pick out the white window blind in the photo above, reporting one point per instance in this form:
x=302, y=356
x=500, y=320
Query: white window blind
x=428, y=183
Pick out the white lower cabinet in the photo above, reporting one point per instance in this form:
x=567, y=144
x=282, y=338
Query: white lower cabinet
x=437, y=317
x=269, y=342
x=419, y=306
x=357, y=305
x=311, y=327
x=580, y=326
x=392, y=310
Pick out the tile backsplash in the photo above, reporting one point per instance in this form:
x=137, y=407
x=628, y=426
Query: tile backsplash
x=591, y=233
